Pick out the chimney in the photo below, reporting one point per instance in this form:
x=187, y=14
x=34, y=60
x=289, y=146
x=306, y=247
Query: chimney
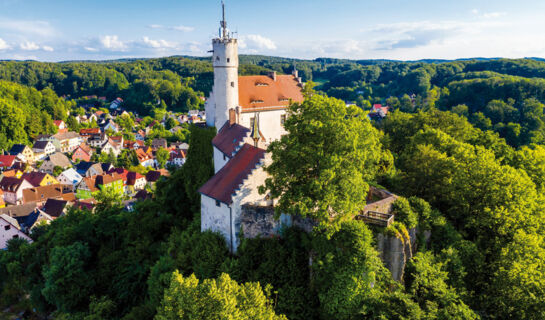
x=232, y=117
x=295, y=73
x=273, y=75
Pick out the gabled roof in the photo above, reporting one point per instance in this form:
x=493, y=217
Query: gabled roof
x=107, y=178
x=89, y=131
x=90, y=183
x=83, y=166
x=223, y=184
x=35, y=178
x=20, y=210
x=39, y=194
x=132, y=177
x=72, y=175
x=7, y=161
x=58, y=123
x=259, y=93
x=54, y=207
x=10, y=184
x=17, y=148
x=66, y=135
x=229, y=138
x=40, y=145
x=59, y=159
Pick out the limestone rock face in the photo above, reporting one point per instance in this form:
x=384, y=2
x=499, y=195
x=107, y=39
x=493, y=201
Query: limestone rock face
x=395, y=252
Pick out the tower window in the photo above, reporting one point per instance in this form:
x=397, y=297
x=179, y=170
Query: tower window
x=228, y=59
x=7, y=228
x=217, y=58
x=232, y=82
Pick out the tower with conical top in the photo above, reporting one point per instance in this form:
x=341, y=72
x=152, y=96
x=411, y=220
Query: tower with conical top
x=225, y=90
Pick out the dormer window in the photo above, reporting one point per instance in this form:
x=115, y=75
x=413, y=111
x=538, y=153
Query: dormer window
x=282, y=99
x=261, y=84
x=257, y=101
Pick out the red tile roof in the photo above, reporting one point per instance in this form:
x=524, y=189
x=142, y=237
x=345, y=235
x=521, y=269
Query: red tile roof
x=7, y=161
x=229, y=138
x=258, y=93
x=58, y=122
x=89, y=131
x=224, y=183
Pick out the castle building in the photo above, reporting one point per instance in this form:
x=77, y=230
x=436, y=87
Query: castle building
x=249, y=113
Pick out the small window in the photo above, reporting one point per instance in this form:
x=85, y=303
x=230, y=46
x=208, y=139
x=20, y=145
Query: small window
x=7, y=228
x=224, y=158
x=218, y=203
x=282, y=119
x=228, y=60
x=217, y=58
x=16, y=236
x=232, y=84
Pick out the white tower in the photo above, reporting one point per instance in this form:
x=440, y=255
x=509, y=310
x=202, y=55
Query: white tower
x=225, y=90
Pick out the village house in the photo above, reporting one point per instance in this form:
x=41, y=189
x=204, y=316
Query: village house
x=89, y=186
x=135, y=182
x=140, y=135
x=144, y=159
x=67, y=141
x=23, y=152
x=55, y=207
x=70, y=177
x=38, y=179
x=39, y=195
x=110, y=125
x=177, y=158
x=61, y=126
x=89, y=169
x=7, y=162
x=111, y=147
x=154, y=175
x=97, y=140
x=13, y=189
x=55, y=160
x=132, y=145
x=9, y=229
x=42, y=149
x=159, y=143
x=82, y=153
x=88, y=132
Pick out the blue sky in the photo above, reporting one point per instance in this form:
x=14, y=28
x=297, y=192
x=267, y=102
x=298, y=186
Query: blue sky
x=57, y=30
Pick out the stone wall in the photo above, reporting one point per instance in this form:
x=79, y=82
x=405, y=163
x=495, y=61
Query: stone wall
x=258, y=221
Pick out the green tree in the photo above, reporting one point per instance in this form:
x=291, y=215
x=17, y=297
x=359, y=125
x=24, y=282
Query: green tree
x=67, y=283
x=188, y=298
x=162, y=155
x=321, y=168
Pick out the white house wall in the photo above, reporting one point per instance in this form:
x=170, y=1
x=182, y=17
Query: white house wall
x=270, y=123
x=214, y=218
x=219, y=160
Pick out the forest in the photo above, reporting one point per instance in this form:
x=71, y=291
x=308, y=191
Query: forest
x=462, y=146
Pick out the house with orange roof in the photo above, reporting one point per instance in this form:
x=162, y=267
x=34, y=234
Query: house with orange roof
x=61, y=126
x=82, y=153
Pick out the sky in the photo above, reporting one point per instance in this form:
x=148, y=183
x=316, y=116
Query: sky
x=60, y=30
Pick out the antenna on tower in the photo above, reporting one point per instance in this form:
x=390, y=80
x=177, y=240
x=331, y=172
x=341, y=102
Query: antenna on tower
x=223, y=23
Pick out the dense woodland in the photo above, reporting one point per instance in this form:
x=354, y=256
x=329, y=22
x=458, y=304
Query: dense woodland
x=462, y=146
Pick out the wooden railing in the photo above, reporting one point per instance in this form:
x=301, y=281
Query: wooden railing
x=376, y=218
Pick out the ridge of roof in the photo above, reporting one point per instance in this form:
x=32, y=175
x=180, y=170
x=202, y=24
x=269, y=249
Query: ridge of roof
x=225, y=182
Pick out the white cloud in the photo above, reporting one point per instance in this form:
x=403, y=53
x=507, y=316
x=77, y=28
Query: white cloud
x=3, y=44
x=174, y=28
x=493, y=15
x=157, y=44
x=28, y=27
x=255, y=43
x=90, y=49
x=29, y=46
x=112, y=42
x=48, y=48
